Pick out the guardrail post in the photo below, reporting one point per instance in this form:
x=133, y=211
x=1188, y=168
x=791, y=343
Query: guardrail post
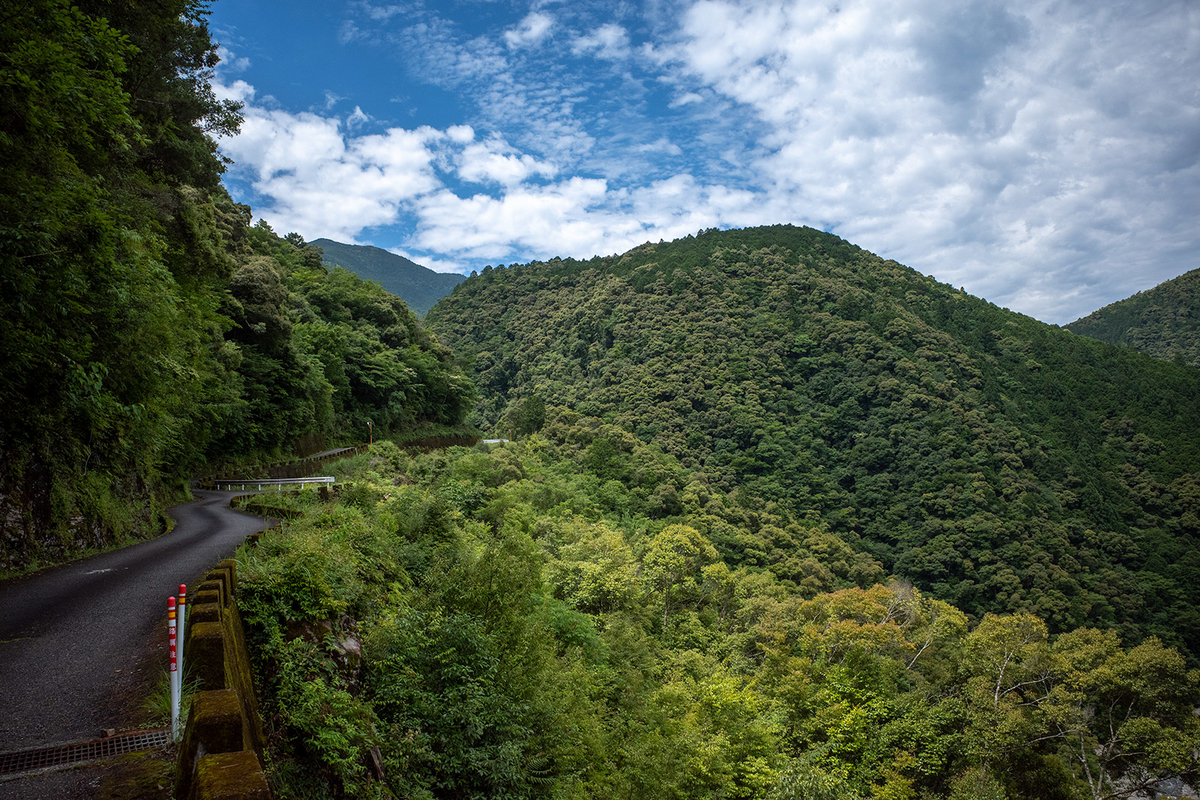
x=175, y=692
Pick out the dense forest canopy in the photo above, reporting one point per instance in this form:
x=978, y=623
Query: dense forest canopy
x=559, y=617
x=1164, y=321
x=147, y=328
x=999, y=463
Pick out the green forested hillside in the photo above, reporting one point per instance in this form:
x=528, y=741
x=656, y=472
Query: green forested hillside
x=999, y=463
x=1164, y=321
x=145, y=327
x=323, y=351
x=420, y=287
x=751, y=469
x=559, y=617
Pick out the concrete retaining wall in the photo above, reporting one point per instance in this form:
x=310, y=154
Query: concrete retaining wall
x=220, y=755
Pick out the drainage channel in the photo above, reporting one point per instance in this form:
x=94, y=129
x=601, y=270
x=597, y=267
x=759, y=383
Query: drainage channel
x=81, y=752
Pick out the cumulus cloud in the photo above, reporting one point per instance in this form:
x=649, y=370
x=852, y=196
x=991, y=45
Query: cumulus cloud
x=494, y=161
x=231, y=62
x=322, y=177
x=1043, y=154
x=1018, y=150
x=578, y=217
x=320, y=180
x=239, y=91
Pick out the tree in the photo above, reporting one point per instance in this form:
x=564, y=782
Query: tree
x=525, y=416
x=674, y=559
x=1125, y=719
x=1007, y=670
x=168, y=81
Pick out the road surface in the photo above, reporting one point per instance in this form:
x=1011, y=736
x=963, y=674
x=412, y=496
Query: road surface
x=71, y=637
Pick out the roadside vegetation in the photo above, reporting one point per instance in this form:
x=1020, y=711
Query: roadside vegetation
x=148, y=330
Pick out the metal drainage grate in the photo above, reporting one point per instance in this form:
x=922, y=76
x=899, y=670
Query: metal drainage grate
x=27, y=760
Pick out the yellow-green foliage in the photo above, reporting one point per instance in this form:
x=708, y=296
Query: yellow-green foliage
x=525, y=636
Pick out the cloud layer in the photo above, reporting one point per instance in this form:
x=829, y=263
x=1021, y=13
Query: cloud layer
x=1042, y=154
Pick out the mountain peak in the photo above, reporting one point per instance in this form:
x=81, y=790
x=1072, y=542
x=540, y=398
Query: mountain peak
x=1163, y=322
x=418, y=286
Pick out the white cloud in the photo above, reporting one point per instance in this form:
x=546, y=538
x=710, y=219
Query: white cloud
x=1045, y=154
x=661, y=145
x=687, y=98
x=531, y=30
x=322, y=182
x=509, y=91
x=384, y=13
x=1015, y=150
x=433, y=262
x=576, y=217
x=494, y=161
x=609, y=41
x=321, y=178
x=231, y=62
x=483, y=226
x=351, y=32
x=239, y=91
x=461, y=134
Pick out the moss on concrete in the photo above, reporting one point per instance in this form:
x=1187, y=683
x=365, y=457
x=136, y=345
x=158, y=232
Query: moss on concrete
x=225, y=776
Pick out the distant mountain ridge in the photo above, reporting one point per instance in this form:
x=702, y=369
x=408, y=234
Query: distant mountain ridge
x=418, y=286
x=1163, y=322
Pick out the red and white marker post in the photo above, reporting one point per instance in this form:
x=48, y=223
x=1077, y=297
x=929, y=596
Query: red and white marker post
x=182, y=609
x=174, y=668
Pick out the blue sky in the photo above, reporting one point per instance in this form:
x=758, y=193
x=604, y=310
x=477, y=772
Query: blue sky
x=1044, y=154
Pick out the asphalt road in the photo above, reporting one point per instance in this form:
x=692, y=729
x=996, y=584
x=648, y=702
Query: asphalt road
x=71, y=637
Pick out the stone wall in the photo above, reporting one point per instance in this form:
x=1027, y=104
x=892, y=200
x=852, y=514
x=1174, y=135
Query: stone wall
x=220, y=755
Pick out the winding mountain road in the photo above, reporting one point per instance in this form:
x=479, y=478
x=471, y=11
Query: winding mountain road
x=73, y=638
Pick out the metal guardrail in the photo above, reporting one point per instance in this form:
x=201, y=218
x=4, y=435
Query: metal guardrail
x=278, y=483
x=291, y=466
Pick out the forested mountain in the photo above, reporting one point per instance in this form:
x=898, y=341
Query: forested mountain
x=419, y=287
x=146, y=328
x=999, y=463
x=689, y=577
x=1164, y=321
